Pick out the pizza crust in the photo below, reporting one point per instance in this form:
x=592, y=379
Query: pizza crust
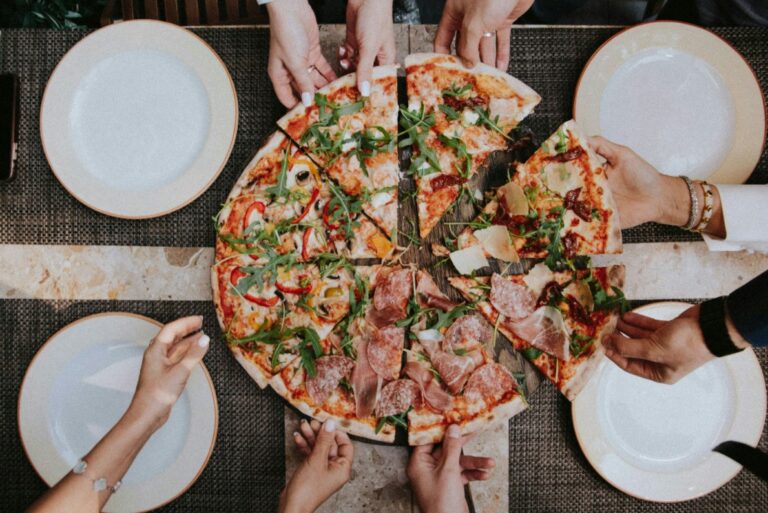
x=254, y=371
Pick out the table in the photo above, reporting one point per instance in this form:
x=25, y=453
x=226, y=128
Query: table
x=60, y=261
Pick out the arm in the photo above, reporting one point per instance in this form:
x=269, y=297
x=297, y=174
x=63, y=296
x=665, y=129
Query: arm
x=167, y=363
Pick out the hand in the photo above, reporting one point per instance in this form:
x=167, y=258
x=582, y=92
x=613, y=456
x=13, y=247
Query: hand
x=296, y=63
x=641, y=193
x=663, y=351
x=370, y=38
x=325, y=470
x=438, y=475
x=473, y=18
x=167, y=363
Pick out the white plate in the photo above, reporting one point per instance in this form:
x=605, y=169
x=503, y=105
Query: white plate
x=655, y=441
x=79, y=384
x=138, y=119
x=678, y=95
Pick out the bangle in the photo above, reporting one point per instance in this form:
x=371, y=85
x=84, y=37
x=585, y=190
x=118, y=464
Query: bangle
x=709, y=207
x=100, y=484
x=694, y=212
x=712, y=323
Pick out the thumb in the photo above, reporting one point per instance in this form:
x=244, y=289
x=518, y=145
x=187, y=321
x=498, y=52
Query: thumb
x=324, y=441
x=604, y=147
x=452, y=444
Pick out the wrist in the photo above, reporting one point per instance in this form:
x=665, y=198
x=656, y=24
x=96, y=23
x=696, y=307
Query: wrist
x=675, y=206
x=145, y=414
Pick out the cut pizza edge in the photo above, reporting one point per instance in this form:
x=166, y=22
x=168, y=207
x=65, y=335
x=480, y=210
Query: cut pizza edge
x=578, y=370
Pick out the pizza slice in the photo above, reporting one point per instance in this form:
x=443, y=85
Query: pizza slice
x=456, y=117
x=557, y=320
x=282, y=205
x=354, y=139
x=451, y=360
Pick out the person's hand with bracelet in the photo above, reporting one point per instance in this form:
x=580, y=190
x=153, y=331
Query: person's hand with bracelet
x=165, y=369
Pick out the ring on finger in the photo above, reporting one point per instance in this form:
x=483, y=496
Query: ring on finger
x=489, y=34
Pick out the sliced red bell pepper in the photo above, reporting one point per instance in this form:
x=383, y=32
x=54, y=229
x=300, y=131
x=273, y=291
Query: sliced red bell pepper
x=327, y=216
x=294, y=290
x=235, y=277
x=315, y=194
x=258, y=206
x=305, y=243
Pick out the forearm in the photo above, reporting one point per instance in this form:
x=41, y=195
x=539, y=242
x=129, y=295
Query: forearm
x=109, y=459
x=675, y=206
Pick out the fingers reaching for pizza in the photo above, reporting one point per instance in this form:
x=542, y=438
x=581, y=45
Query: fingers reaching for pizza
x=326, y=469
x=370, y=40
x=663, y=351
x=296, y=64
x=483, y=28
x=166, y=366
x=438, y=475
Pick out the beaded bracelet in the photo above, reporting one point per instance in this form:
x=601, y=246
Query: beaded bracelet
x=694, y=212
x=709, y=207
x=99, y=485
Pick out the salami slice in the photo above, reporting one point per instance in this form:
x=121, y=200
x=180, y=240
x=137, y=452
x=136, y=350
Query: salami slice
x=397, y=396
x=330, y=370
x=516, y=302
x=393, y=292
x=467, y=332
x=385, y=350
x=431, y=391
x=489, y=382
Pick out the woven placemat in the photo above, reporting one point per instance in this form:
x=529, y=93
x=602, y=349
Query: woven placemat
x=37, y=210
x=247, y=468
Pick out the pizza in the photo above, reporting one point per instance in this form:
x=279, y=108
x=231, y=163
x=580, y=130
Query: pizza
x=355, y=140
x=456, y=117
x=556, y=319
x=557, y=205
x=309, y=287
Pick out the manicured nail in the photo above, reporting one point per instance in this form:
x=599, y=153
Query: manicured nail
x=330, y=425
x=306, y=98
x=303, y=421
x=365, y=88
x=295, y=434
x=344, y=63
x=342, y=51
x=454, y=431
x=204, y=341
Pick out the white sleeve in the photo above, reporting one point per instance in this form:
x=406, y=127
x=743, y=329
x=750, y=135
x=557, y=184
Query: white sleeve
x=745, y=214
x=263, y=2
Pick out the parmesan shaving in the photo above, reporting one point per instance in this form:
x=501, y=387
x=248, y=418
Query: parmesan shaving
x=469, y=259
x=513, y=198
x=495, y=241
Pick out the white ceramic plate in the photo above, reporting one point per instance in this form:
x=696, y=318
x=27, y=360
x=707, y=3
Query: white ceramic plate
x=680, y=96
x=655, y=441
x=138, y=119
x=79, y=384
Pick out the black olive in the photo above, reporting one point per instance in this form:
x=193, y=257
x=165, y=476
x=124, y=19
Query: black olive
x=280, y=295
x=302, y=176
x=349, y=244
x=323, y=310
x=317, y=205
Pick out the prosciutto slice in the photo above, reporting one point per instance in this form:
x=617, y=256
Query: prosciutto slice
x=489, y=382
x=513, y=301
x=545, y=330
x=467, y=332
x=454, y=369
x=366, y=385
x=330, y=370
x=431, y=391
x=390, y=299
x=397, y=396
x=429, y=294
x=384, y=351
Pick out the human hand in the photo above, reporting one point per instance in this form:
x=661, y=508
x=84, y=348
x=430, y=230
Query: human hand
x=370, y=38
x=325, y=470
x=296, y=63
x=663, y=351
x=438, y=475
x=642, y=194
x=473, y=18
x=165, y=368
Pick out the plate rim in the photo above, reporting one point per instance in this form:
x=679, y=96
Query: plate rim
x=213, y=178
x=691, y=26
x=623, y=489
x=206, y=375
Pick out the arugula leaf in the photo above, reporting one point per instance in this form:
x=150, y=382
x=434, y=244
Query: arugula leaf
x=484, y=119
x=580, y=343
x=280, y=189
x=416, y=127
x=397, y=420
x=562, y=141
x=267, y=273
x=276, y=352
x=457, y=91
x=531, y=353
x=458, y=146
x=449, y=112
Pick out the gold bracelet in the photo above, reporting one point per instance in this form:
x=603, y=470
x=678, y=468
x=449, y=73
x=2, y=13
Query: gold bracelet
x=709, y=207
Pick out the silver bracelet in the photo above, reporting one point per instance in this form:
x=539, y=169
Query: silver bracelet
x=694, y=212
x=99, y=485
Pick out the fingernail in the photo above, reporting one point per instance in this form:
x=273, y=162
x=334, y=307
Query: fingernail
x=303, y=421
x=295, y=434
x=330, y=426
x=306, y=98
x=204, y=341
x=344, y=63
x=200, y=317
x=365, y=88
x=342, y=51
x=608, y=353
x=454, y=431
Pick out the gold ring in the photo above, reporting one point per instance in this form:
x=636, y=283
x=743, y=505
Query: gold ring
x=489, y=34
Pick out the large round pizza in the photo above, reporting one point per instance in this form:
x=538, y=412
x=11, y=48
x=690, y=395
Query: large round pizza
x=313, y=294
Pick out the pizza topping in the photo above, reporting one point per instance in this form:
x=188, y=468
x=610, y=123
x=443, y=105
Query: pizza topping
x=496, y=242
x=454, y=369
x=431, y=391
x=561, y=177
x=580, y=208
x=512, y=199
x=384, y=351
x=489, y=382
x=235, y=277
x=288, y=289
x=429, y=294
x=256, y=206
x=397, y=396
x=566, y=156
x=577, y=312
x=545, y=330
x=513, y=301
x=390, y=299
x=329, y=371
x=308, y=207
x=467, y=332
x=366, y=385
x=570, y=244
x=538, y=277
x=442, y=181
x=469, y=259
x=550, y=294
x=458, y=103
x=581, y=292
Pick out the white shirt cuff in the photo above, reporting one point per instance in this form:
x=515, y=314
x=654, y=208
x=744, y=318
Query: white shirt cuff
x=745, y=214
x=264, y=2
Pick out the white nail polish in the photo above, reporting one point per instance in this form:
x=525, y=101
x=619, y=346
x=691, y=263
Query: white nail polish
x=204, y=341
x=330, y=425
x=342, y=51
x=344, y=63
x=365, y=88
x=306, y=98
x=295, y=434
